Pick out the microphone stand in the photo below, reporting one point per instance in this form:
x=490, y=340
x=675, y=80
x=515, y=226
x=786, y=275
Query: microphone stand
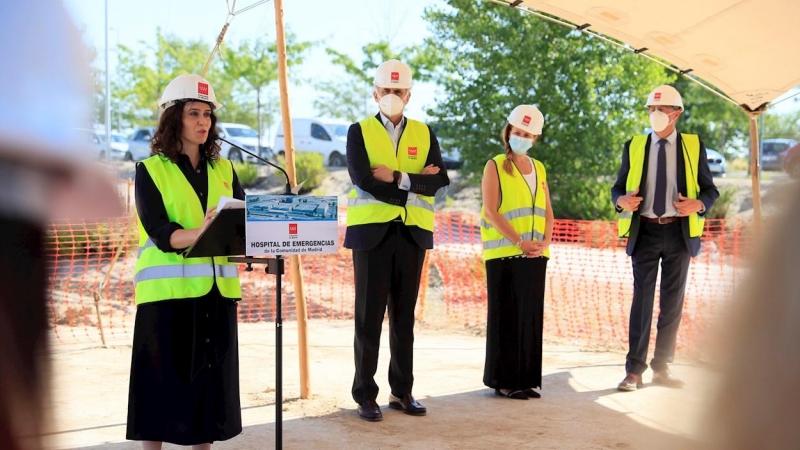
x=275, y=266
x=287, y=189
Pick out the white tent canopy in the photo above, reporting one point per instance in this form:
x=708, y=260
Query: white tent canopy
x=747, y=49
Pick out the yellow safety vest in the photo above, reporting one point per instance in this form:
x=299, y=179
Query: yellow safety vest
x=691, y=158
x=412, y=152
x=164, y=276
x=525, y=212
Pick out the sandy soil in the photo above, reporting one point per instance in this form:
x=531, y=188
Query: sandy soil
x=579, y=408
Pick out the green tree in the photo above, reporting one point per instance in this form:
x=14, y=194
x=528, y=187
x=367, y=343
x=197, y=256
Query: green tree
x=718, y=122
x=142, y=75
x=255, y=65
x=350, y=97
x=781, y=126
x=492, y=58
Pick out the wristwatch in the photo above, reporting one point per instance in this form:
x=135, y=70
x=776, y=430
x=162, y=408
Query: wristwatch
x=396, y=176
x=519, y=243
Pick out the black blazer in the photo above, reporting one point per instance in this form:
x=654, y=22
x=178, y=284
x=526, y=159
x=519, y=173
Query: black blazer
x=708, y=191
x=365, y=237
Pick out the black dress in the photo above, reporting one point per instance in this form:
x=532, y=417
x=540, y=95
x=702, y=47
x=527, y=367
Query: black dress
x=514, y=324
x=184, y=384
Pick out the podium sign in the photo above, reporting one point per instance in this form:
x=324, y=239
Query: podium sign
x=291, y=224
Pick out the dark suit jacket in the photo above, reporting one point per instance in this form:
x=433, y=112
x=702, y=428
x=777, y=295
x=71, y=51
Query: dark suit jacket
x=365, y=237
x=708, y=191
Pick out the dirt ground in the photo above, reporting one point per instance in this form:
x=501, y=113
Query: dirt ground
x=579, y=408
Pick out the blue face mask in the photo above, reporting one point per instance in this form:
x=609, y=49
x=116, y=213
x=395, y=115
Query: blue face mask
x=519, y=145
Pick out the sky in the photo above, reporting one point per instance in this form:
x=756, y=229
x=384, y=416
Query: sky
x=346, y=25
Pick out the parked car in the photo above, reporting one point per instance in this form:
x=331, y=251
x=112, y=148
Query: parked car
x=239, y=134
x=772, y=151
x=139, y=143
x=90, y=137
x=119, y=145
x=791, y=161
x=452, y=159
x=716, y=162
x=243, y=136
x=325, y=136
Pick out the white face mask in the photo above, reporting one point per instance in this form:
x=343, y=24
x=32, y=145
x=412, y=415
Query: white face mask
x=659, y=121
x=391, y=105
x=519, y=144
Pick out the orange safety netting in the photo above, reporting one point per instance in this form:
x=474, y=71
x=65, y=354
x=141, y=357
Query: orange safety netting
x=588, y=295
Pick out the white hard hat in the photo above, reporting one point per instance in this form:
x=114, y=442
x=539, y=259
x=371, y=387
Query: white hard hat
x=665, y=95
x=528, y=118
x=393, y=74
x=191, y=87
x=46, y=90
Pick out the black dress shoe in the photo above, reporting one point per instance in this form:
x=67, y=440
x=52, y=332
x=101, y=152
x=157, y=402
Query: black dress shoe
x=531, y=393
x=510, y=393
x=631, y=383
x=369, y=410
x=407, y=404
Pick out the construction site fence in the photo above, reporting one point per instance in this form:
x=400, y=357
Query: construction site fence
x=587, y=301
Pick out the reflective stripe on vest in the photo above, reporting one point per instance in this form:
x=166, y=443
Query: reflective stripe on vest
x=525, y=212
x=410, y=157
x=691, y=159
x=164, y=276
x=185, y=271
x=365, y=198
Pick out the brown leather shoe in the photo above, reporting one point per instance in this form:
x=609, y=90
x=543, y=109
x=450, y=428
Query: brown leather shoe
x=631, y=382
x=369, y=410
x=665, y=378
x=407, y=404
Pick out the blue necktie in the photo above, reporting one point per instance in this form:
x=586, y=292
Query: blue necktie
x=660, y=199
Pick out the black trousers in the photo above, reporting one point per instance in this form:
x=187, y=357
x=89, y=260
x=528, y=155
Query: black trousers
x=515, y=311
x=386, y=277
x=656, y=243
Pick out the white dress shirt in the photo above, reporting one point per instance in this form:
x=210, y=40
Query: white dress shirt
x=394, y=134
x=672, y=176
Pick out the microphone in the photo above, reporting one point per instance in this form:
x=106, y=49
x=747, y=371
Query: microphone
x=288, y=190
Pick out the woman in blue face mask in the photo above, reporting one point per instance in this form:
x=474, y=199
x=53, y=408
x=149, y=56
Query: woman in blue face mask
x=516, y=227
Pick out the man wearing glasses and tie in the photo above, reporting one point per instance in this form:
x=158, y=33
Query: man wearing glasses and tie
x=662, y=192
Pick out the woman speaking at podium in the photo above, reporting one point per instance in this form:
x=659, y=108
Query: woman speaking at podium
x=184, y=384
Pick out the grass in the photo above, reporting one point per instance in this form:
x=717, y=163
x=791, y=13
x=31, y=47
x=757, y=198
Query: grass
x=247, y=173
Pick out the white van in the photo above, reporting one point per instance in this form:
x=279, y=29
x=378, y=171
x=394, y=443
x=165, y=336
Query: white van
x=243, y=136
x=325, y=136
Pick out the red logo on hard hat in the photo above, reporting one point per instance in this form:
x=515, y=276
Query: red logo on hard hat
x=526, y=120
x=202, y=88
x=292, y=228
x=412, y=152
x=395, y=77
x=227, y=186
x=657, y=96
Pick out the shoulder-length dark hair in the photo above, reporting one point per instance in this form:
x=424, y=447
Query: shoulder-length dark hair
x=167, y=139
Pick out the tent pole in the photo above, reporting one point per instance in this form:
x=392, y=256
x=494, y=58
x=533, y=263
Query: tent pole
x=755, y=173
x=295, y=268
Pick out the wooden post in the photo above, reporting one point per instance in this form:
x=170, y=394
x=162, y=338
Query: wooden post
x=755, y=174
x=295, y=267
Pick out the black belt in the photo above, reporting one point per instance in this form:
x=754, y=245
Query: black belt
x=659, y=220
